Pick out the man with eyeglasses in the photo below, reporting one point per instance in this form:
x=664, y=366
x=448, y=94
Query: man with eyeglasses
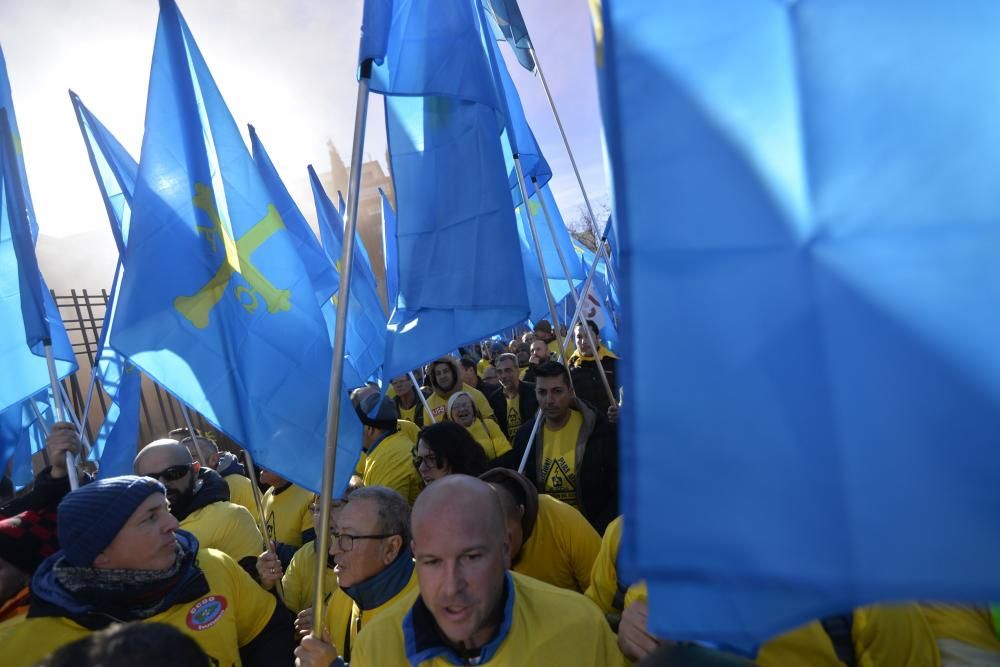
x=199, y=500
x=123, y=559
x=470, y=610
x=374, y=566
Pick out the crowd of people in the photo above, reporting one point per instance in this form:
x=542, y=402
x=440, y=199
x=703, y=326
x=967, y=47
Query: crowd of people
x=481, y=528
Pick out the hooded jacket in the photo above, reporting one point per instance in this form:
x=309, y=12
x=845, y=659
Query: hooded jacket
x=220, y=524
x=596, y=464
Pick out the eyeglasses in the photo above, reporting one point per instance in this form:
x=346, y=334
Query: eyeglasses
x=430, y=460
x=173, y=473
x=345, y=542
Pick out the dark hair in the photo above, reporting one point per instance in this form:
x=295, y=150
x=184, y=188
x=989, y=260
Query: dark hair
x=454, y=446
x=467, y=362
x=124, y=645
x=551, y=369
x=593, y=327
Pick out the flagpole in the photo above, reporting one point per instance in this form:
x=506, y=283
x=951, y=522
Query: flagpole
x=572, y=161
x=339, y=340
x=586, y=289
x=261, y=519
x=572, y=290
x=541, y=260
x=57, y=404
x=423, y=399
x=531, y=441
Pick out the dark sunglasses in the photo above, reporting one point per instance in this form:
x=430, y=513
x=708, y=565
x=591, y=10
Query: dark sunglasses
x=173, y=473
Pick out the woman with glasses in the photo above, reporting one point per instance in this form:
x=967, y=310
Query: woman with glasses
x=462, y=410
x=447, y=448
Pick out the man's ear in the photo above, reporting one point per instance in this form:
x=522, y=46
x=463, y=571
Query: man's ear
x=520, y=512
x=196, y=467
x=395, y=545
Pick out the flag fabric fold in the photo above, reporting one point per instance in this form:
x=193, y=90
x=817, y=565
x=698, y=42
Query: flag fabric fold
x=808, y=236
x=460, y=273
x=510, y=25
x=390, y=252
x=216, y=305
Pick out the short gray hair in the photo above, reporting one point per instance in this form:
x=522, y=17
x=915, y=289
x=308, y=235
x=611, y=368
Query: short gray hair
x=393, y=511
x=506, y=356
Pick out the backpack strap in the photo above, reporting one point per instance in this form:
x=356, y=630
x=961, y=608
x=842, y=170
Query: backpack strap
x=838, y=628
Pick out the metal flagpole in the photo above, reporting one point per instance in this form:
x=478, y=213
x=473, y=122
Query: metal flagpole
x=572, y=160
x=586, y=288
x=423, y=399
x=531, y=441
x=261, y=519
x=541, y=260
x=339, y=343
x=57, y=404
x=572, y=290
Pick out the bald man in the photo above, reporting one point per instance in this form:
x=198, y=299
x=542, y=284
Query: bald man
x=199, y=500
x=470, y=610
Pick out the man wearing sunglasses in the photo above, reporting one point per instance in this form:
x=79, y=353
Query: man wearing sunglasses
x=374, y=566
x=199, y=500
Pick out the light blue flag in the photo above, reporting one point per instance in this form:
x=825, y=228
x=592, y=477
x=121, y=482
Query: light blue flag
x=21, y=437
x=114, y=167
x=425, y=48
x=517, y=134
x=365, y=342
x=809, y=234
x=460, y=271
x=216, y=305
x=558, y=285
x=7, y=103
x=116, y=172
x=390, y=251
x=510, y=26
x=321, y=273
x=28, y=315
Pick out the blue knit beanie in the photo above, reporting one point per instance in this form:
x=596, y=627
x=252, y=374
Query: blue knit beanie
x=90, y=517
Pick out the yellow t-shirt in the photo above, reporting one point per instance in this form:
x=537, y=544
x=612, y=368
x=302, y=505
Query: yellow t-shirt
x=883, y=635
x=241, y=493
x=966, y=624
x=513, y=416
x=226, y=527
x=408, y=428
x=230, y=616
x=562, y=547
x=604, y=575
x=490, y=437
x=548, y=626
x=391, y=464
x=289, y=512
x=439, y=404
x=559, y=459
x=297, y=582
x=410, y=414
x=345, y=620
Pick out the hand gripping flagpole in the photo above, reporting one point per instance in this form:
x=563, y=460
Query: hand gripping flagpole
x=601, y=248
x=572, y=290
x=261, y=519
x=339, y=340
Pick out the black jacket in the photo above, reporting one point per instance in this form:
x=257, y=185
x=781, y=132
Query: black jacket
x=527, y=404
x=45, y=494
x=596, y=464
x=587, y=381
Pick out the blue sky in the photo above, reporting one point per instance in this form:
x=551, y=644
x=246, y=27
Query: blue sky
x=286, y=66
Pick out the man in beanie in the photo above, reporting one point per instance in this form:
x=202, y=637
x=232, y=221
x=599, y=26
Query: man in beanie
x=26, y=539
x=123, y=559
x=199, y=499
x=386, y=458
x=550, y=540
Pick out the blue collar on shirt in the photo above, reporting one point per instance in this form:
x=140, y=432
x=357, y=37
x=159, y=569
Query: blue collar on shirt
x=423, y=640
x=379, y=441
x=376, y=591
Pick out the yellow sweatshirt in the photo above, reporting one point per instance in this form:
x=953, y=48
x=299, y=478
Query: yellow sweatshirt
x=562, y=548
